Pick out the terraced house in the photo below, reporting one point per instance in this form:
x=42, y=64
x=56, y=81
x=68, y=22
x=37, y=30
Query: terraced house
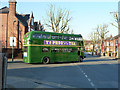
x=110, y=46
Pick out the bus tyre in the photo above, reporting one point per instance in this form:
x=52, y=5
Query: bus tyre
x=46, y=60
x=80, y=59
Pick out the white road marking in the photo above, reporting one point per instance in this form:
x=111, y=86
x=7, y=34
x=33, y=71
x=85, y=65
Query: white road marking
x=86, y=76
x=91, y=83
x=89, y=80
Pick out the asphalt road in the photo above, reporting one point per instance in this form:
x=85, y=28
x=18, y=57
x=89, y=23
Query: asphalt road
x=94, y=72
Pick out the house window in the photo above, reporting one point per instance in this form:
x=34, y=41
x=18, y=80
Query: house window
x=111, y=43
x=107, y=43
x=96, y=45
x=29, y=28
x=119, y=39
x=104, y=43
x=32, y=21
x=39, y=27
x=116, y=42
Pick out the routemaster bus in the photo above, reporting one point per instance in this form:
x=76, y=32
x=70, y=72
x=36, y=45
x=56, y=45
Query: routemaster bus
x=49, y=47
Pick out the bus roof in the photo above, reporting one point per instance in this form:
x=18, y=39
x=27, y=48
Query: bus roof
x=54, y=33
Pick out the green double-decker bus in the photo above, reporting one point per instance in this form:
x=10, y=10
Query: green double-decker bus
x=49, y=47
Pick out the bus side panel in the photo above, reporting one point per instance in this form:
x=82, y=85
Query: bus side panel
x=72, y=57
x=37, y=54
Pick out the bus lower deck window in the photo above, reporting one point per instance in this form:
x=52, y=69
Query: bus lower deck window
x=68, y=50
x=56, y=49
x=45, y=49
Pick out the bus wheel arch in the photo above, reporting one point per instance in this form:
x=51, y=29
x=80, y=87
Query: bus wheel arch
x=46, y=60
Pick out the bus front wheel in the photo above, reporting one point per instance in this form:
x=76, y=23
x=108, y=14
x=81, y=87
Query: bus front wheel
x=80, y=59
x=46, y=60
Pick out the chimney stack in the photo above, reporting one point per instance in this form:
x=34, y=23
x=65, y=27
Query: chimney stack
x=12, y=7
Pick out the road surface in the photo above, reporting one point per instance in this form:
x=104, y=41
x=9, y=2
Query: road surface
x=94, y=72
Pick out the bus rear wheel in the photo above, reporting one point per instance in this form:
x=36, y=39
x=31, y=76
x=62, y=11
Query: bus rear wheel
x=80, y=59
x=46, y=60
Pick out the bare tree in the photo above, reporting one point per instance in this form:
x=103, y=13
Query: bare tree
x=116, y=24
x=58, y=21
x=116, y=20
x=93, y=38
x=102, y=31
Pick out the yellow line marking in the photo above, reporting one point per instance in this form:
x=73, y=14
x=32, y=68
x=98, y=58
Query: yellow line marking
x=52, y=45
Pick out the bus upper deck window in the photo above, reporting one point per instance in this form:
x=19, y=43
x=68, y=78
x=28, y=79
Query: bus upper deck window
x=66, y=37
x=71, y=38
x=78, y=38
x=60, y=37
x=44, y=36
x=36, y=36
x=54, y=37
x=47, y=36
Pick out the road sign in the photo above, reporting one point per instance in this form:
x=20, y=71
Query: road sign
x=12, y=41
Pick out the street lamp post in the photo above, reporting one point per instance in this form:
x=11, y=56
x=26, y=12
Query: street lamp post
x=118, y=29
x=13, y=42
x=119, y=40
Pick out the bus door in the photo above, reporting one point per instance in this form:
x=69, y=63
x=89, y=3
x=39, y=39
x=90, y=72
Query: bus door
x=25, y=54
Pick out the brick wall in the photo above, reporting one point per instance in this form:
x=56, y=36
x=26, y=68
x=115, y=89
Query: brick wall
x=7, y=27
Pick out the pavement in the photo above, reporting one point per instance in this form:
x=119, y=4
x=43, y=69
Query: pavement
x=21, y=82
x=18, y=82
x=106, y=57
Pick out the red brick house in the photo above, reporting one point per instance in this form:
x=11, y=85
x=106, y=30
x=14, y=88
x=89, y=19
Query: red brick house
x=13, y=24
x=88, y=45
x=13, y=20
x=110, y=46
